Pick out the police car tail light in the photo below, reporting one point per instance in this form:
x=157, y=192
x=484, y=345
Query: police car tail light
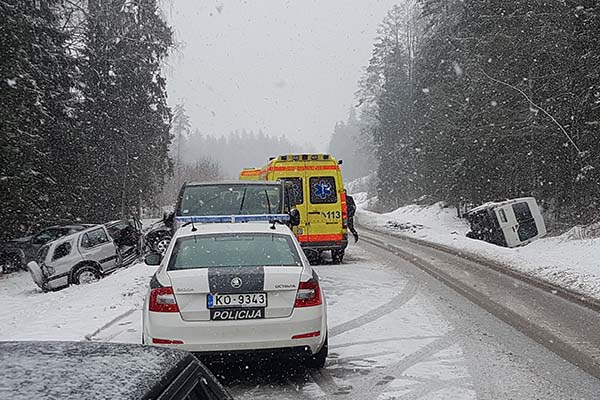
x=309, y=294
x=162, y=299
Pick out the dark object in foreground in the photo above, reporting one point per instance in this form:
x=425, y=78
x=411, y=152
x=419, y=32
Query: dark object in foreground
x=510, y=223
x=86, y=370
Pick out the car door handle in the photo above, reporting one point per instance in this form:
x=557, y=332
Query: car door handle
x=314, y=213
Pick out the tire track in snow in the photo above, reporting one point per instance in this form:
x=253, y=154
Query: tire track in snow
x=92, y=336
x=408, y=292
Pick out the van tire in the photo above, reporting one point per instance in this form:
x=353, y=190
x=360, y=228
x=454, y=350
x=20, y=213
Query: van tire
x=337, y=256
x=83, y=273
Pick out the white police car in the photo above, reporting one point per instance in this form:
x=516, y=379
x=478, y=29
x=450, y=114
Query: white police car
x=236, y=289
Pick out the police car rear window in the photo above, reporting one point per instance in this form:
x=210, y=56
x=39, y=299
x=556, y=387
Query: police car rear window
x=234, y=250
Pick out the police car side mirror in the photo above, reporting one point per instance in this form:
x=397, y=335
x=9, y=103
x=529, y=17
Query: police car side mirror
x=153, y=259
x=294, y=217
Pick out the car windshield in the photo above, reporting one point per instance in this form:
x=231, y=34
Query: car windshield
x=234, y=250
x=206, y=200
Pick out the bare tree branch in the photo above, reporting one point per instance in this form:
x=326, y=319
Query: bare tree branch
x=536, y=106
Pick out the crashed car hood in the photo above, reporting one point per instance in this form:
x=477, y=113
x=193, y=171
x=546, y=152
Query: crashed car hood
x=157, y=226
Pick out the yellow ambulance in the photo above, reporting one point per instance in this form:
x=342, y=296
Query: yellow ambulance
x=250, y=174
x=316, y=187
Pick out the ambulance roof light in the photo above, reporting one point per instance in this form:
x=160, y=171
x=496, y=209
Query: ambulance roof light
x=271, y=158
x=314, y=157
x=304, y=156
x=325, y=156
x=296, y=157
x=284, y=158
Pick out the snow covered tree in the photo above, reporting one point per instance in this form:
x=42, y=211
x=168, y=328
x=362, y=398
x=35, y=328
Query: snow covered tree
x=36, y=76
x=387, y=90
x=124, y=117
x=181, y=131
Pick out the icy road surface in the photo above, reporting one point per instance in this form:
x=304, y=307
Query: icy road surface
x=394, y=333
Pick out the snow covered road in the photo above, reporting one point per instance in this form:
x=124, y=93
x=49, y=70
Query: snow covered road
x=395, y=333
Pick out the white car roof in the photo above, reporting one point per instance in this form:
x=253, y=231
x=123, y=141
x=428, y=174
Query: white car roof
x=70, y=237
x=491, y=205
x=246, y=227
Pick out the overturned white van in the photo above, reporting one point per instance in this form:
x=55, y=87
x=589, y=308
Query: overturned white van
x=509, y=223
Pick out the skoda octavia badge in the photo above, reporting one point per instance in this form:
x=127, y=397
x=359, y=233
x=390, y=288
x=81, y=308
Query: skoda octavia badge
x=236, y=283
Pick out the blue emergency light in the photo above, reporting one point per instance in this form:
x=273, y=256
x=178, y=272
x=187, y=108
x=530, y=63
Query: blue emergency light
x=224, y=219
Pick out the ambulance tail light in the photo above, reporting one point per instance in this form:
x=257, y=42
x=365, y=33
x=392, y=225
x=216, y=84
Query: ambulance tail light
x=344, y=211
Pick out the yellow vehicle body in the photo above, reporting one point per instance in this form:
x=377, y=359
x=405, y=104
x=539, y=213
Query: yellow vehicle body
x=318, y=192
x=250, y=174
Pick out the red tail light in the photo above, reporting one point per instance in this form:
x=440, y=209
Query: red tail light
x=166, y=341
x=309, y=294
x=344, y=211
x=162, y=299
x=307, y=335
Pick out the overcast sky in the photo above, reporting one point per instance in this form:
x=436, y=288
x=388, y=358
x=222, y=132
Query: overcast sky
x=286, y=67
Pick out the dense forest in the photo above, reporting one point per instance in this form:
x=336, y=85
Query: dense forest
x=83, y=113
x=354, y=149
x=229, y=153
x=467, y=101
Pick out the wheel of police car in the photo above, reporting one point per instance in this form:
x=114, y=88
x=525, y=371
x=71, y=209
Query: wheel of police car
x=318, y=360
x=86, y=274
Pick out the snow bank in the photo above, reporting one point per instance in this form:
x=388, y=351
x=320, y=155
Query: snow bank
x=564, y=261
x=70, y=314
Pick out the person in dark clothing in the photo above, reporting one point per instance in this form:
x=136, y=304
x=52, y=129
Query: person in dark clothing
x=351, y=206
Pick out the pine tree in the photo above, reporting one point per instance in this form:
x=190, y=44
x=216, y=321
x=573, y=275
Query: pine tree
x=387, y=90
x=181, y=131
x=124, y=117
x=35, y=82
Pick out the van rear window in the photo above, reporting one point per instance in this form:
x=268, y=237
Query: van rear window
x=522, y=212
x=323, y=190
x=295, y=186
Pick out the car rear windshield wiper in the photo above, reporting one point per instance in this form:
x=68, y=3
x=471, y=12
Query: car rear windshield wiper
x=268, y=201
x=243, y=199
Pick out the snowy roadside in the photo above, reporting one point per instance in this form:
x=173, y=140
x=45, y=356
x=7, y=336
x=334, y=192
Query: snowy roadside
x=565, y=262
x=70, y=314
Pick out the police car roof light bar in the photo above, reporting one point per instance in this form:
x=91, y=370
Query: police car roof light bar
x=223, y=219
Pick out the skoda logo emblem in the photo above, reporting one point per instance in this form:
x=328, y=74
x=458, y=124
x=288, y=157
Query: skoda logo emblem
x=236, y=283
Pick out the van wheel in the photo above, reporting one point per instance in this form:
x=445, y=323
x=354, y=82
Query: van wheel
x=86, y=274
x=337, y=256
x=317, y=360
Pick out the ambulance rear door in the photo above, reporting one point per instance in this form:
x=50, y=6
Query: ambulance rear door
x=294, y=174
x=324, y=205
